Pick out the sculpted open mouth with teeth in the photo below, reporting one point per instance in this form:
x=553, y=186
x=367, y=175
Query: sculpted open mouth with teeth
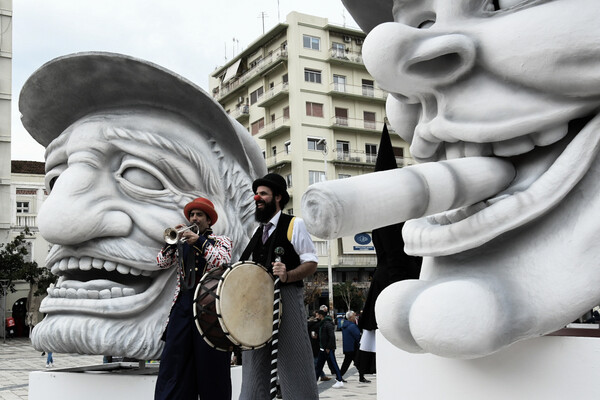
x=499, y=102
x=130, y=285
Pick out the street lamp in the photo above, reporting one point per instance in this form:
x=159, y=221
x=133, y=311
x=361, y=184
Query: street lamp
x=4, y=284
x=329, y=271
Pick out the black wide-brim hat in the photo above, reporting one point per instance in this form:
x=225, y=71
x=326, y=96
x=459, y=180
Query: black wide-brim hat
x=277, y=185
x=370, y=13
x=68, y=88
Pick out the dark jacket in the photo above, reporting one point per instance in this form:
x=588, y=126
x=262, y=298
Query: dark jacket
x=350, y=336
x=327, y=334
x=313, y=326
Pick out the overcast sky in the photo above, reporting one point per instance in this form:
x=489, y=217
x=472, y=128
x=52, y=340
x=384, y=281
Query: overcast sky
x=189, y=37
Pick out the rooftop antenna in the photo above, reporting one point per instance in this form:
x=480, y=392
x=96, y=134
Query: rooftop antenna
x=278, y=16
x=225, y=43
x=263, y=15
x=344, y=17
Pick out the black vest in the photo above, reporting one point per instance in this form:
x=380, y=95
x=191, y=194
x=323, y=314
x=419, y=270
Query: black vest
x=264, y=254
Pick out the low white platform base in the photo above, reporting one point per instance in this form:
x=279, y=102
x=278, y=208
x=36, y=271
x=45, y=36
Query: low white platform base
x=94, y=384
x=549, y=367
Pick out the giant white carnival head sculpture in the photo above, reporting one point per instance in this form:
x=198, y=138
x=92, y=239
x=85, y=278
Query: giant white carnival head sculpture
x=128, y=145
x=499, y=101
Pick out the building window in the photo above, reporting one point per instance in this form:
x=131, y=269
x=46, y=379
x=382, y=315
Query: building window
x=257, y=94
x=311, y=42
x=316, y=176
x=288, y=180
x=369, y=118
x=341, y=116
x=311, y=75
x=339, y=83
x=314, y=109
x=274, y=151
x=315, y=144
x=368, y=88
x=342, y=148
x=321, y=247
x=338, y=50
x=286, y=113
x=290, y=211
x=344, y=176
x=288, y=147
x=284, y=79
x=257, y=126
x=371, y=152
x=22, y=207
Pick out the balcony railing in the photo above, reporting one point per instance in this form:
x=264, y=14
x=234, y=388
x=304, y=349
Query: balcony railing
x=242, y=111
x=354, y=90
x=358, y=156
x=354, y=123
x=272, y=92
x=260, y=66
x=269, y=128
x=26, y=220
x=345, y=56
x=278, y=158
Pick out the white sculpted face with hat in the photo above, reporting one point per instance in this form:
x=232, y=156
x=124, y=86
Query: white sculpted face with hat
x=116, y=181
x=511, y=81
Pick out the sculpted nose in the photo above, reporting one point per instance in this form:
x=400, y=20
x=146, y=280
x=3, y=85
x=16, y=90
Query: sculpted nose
x=82, y=207
x=410, y=61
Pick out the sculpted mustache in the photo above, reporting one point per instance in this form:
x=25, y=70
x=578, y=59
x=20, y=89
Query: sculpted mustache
x=117, y=249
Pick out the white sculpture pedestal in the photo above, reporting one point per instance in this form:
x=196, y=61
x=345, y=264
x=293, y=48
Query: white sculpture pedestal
x=548, y=367
x=95, y=383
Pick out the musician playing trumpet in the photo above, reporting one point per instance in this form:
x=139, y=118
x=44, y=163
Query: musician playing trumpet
x=189, y=367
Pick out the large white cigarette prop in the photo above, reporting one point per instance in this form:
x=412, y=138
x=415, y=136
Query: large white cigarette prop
x=345, y=207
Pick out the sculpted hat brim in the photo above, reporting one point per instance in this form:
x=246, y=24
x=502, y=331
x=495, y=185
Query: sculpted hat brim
x=68, y=88
x=370, y=13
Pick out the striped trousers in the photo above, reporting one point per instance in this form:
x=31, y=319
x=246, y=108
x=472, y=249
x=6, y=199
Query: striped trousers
x=296, y=367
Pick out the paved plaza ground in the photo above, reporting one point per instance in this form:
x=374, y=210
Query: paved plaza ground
x=18, y=358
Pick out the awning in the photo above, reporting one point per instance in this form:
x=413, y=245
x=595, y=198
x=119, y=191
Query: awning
x=232, y=71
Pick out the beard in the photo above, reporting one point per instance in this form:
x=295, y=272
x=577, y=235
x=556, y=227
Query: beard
x=266, y=213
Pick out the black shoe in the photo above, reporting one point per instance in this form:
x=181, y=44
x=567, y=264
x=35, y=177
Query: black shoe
x=345, y=381
x=364, y=380
x=278, y=394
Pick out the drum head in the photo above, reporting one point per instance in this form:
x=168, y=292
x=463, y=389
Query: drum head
x=245, y=304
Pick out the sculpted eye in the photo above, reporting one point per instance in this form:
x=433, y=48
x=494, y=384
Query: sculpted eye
x=52, y=176
x=504, y=4
x=142, y=178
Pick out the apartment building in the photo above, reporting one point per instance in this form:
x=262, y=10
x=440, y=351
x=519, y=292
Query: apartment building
x=303, y=92
x=27, y=193
x=5, y=104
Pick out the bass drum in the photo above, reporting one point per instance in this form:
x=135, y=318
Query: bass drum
x=234, y=307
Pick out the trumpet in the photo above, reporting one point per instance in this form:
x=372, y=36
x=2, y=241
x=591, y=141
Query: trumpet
x=173, y=235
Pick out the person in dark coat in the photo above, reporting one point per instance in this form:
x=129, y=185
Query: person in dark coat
x=313, y=333
x=327, y=347
x=351, y=344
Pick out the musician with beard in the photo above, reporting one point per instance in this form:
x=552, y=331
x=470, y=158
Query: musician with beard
x=189, y=367
x=299, y=260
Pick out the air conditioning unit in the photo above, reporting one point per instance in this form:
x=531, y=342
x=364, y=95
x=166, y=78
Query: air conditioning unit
x=359, y=41
x=347, y=39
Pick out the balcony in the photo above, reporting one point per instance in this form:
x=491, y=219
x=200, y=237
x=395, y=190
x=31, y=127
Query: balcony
x=278, y=160
x=361, y=157
x=262, y=66
x=341, y=57
x=241, y=113
x=273, y=95
x=354, y=124
x=342, y=90
x=23, y=220
x=274, y=128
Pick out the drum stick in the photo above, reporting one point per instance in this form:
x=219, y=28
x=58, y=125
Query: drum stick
x=275, y=337
x=345, y=207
